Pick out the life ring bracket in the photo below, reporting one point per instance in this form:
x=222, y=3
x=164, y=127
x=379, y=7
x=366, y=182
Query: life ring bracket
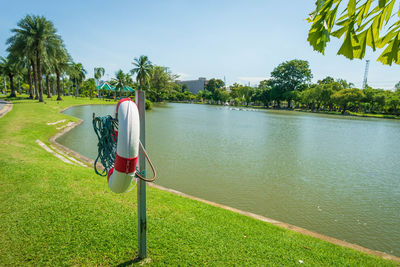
x=142, y=175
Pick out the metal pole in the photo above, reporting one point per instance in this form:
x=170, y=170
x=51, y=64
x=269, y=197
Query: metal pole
x=141, y=185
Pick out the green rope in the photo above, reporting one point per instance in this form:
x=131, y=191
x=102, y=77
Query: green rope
x=105, y=128
x=142, y=173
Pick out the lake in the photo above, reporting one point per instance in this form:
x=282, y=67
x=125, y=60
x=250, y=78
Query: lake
x=335, y=175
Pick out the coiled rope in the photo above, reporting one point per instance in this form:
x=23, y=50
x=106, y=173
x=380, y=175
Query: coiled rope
x=105, y=128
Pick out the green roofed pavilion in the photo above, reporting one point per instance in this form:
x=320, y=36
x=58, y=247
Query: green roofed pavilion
x=105, y=86
x=129, y=89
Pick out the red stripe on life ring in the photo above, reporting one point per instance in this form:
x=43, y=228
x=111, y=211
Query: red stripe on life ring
x=125, y=165
x=119, y=102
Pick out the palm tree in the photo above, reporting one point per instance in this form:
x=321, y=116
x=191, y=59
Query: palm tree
x=128, y=80
x=46, y=70
x=11, y=67
x=120, y=81
x=78, y=74
x=53, y=81
x=40, y=35
x=60, y=60
x=21, y=47
x=35, y=80
x=98, y=72
x=4, y=79
x=142, y=70
x=29, y=77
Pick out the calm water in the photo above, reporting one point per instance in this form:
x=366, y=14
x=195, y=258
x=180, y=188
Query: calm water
x=335, y=175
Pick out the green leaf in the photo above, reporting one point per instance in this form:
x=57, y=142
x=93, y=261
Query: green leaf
x=388, y=11
x=331, y=17
x=361, y=41
x=386, y=39
x=371, y=39
x=319, y=4
x=367, y=6
x=398, y=12
x=343, y=22
x=338, y=33
x=382, y=3
x=351, y=7
x=347, y=48
x=391, y=53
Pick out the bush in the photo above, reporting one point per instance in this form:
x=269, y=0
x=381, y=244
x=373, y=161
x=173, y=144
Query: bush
x=149, y=105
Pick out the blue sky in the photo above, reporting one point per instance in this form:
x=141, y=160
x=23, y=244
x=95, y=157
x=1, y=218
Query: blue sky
x=240, y=40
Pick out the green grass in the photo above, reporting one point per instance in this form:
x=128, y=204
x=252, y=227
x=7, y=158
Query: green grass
x=56, y=214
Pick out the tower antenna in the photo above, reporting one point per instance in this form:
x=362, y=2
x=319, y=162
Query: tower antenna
x=365, y=74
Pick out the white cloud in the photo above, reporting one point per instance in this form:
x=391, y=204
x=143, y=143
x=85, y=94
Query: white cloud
x=184, y=76
x=252, y=79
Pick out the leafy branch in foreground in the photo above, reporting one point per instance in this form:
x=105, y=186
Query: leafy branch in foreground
x=373, y=23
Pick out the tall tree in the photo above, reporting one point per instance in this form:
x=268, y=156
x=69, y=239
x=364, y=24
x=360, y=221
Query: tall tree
x=348, y=97
x=11, y=67
x=90, y=86
x=22, y=47
x=119, y=82
x=264, y=93
x=60, y=68
x=246, y=93
x=363, y=23
x=35, y=81
x=214, y=84
x=41, y=35
x=161, y=83
x=78, y=74
x=129, y=81
x=98, y=72
x=142, y=69
x=47, y=70
x=289, y=76
x=397, y=86
x=60, y=62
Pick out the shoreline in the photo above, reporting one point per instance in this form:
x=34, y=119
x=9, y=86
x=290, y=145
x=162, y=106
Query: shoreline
x=90, y=162
x=350, y=114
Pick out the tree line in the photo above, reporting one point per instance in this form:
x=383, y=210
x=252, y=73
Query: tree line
x=37, y=58
x=290, y=87
x=39, y=61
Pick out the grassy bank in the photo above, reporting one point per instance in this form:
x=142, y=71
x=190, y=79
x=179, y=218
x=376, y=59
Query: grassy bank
x=53, y=213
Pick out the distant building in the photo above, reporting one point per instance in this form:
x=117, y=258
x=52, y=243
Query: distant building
x=194, y=86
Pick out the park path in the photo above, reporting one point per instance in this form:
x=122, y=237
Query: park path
x=5, y=107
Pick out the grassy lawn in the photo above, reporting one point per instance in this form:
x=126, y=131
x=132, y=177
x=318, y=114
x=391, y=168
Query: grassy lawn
x=53, y=213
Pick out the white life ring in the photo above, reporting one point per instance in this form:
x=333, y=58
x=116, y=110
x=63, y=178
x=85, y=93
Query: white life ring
x=121, y=175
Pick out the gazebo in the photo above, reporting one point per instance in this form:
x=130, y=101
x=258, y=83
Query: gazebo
x=105, y=86
x=124, y=88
